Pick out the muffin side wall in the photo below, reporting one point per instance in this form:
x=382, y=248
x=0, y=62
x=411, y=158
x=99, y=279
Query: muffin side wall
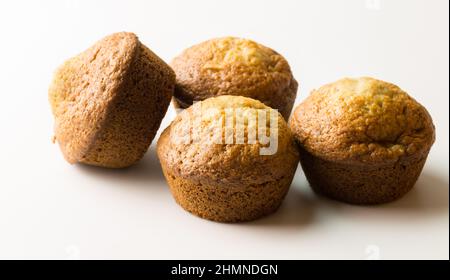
x=365, y=185
x=136, y=114
x=227, y=204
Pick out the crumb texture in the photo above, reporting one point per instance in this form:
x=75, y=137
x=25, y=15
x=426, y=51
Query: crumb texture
x=234, y=66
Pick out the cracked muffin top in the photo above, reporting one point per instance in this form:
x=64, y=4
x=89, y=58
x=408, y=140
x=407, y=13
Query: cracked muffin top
x=234, y=66
x=362, y=120
x=203, y=143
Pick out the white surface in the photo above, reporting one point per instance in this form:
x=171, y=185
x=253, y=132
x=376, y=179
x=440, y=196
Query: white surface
x=50, y=209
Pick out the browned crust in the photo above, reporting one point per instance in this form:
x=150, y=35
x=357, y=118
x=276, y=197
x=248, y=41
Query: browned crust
x=362, y=141
x=227, y=182
x=361, y=185
x=228, y=204
x=272, y=83
x=227, y=164
x=361, y=121
x=108, y=101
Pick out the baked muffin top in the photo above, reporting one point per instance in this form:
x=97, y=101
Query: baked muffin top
x=362, y=120
x=195, y=145
x=85, y=86
x=233, y=66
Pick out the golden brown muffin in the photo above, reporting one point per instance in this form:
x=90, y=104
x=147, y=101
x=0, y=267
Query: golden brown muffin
x=228, y=182
x=108, y=101
x=363, y=141
x=234, y=66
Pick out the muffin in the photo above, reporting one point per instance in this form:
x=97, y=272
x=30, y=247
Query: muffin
x=362, y=141
x=108, y=101
x=218, y=169
x=234, y=66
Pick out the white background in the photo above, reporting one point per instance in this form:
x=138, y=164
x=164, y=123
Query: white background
x=50, y=209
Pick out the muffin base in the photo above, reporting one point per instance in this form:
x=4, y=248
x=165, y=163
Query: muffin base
x=228, y=204
x=363, y=185
x=134, y=118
